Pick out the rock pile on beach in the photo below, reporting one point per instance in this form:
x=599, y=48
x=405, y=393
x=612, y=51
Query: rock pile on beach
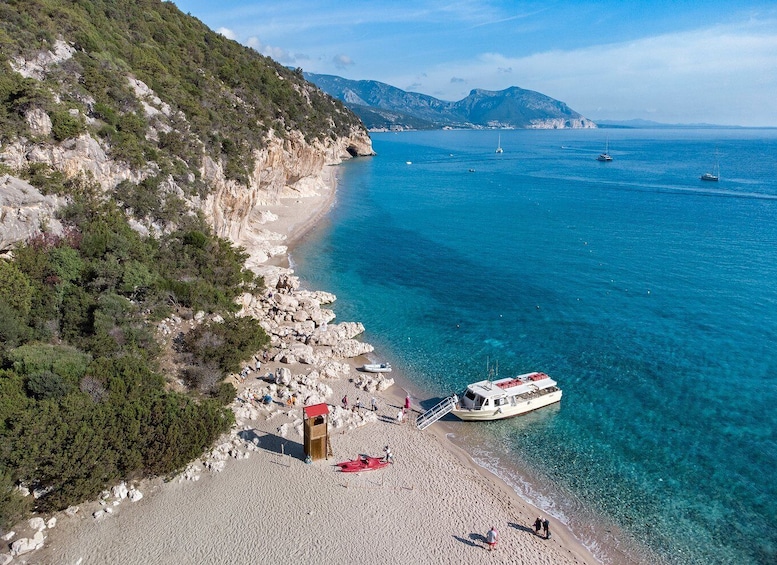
x=298, y=325
x=35, y=532
x=301, y=339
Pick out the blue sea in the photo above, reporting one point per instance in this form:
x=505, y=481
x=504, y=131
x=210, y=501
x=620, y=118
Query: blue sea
x=648, y=294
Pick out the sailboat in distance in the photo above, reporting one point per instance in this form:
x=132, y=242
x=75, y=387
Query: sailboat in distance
x=714, y=176
x=606, y=155
x=499, y=145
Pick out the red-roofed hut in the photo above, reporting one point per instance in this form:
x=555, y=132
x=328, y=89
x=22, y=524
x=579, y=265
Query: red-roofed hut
x=316, y=431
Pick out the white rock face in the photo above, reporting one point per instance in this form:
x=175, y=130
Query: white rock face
x=37, y=67
x=23, y=210
x=288, y=167
x=562, y=123
x=39, y=122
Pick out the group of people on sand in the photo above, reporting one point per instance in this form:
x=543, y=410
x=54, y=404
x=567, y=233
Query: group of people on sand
x=492, y=537
x=544, y=525
x=357, y=406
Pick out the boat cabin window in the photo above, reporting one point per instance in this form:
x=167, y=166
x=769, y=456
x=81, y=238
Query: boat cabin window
x=471, y=395
x=500, y=401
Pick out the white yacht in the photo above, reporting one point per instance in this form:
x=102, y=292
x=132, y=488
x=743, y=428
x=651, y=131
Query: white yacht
x=504, y=398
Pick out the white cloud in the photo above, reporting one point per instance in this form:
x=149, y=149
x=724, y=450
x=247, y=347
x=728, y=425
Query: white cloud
x=279, y=54
x=342, y=61
x=226, y=32
x=716, y=75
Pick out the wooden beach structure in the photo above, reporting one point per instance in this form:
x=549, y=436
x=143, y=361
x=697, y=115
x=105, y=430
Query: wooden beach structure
x=316, y=431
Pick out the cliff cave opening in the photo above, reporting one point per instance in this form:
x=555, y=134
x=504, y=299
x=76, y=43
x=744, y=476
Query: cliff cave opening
x=352, y=151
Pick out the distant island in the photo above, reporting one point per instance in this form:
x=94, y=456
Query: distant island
x=384, y=107
x=648, y=124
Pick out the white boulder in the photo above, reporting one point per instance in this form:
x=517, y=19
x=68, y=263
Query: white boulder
x=27, y=545
x=120, y=491
x=37, y=523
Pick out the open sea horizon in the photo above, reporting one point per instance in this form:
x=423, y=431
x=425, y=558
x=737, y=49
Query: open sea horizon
x=648, y=294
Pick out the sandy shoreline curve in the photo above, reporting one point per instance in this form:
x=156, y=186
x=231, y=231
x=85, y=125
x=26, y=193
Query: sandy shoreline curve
x=267, y=505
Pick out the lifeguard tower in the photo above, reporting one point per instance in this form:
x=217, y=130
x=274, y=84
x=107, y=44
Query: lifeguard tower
x=317, y=431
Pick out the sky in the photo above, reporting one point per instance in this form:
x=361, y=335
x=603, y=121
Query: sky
x=703, y=61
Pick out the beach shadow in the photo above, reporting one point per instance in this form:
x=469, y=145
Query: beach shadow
x=431, y=403
x=521, y=527
x=466, y=541
x=274, y=444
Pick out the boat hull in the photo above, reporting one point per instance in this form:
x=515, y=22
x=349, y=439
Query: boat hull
x=510, y=411
x=382, y=368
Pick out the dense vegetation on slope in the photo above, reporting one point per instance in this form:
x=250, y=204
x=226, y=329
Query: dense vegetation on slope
x=224, y=98
x=82, y=400
x=87, y=395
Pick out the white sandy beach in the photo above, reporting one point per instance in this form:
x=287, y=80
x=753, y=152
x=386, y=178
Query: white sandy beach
x=433, y=505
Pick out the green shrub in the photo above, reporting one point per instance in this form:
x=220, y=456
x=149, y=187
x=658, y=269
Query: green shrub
x=15, y=288
x=13, y=506
x=48, y=385
x=226, y=344
x=65, y=126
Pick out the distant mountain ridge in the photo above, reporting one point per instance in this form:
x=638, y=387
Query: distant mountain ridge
x=382, y=106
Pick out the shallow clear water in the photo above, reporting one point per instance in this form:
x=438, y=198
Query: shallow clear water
x=650, y=295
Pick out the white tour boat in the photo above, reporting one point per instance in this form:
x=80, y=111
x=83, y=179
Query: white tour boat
x=504, y=398
x=377, y=368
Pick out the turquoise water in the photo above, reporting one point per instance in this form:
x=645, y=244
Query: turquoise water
x=651, y=297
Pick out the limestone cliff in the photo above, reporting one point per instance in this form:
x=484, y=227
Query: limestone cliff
x=291, y=164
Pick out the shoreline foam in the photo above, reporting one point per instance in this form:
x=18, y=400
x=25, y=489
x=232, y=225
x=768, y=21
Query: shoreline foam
x=434, y=505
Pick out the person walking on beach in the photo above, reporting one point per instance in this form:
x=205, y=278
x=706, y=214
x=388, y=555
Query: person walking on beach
x=407, y=402
x=374, y=404
x=345, y=402
x=389, y=457
x=491, y=538
x=400, y=416
x=537, y=525
x=546, y=528
x=358, y=406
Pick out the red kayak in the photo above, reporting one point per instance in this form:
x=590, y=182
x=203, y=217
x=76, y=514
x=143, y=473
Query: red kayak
x=362, y=463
